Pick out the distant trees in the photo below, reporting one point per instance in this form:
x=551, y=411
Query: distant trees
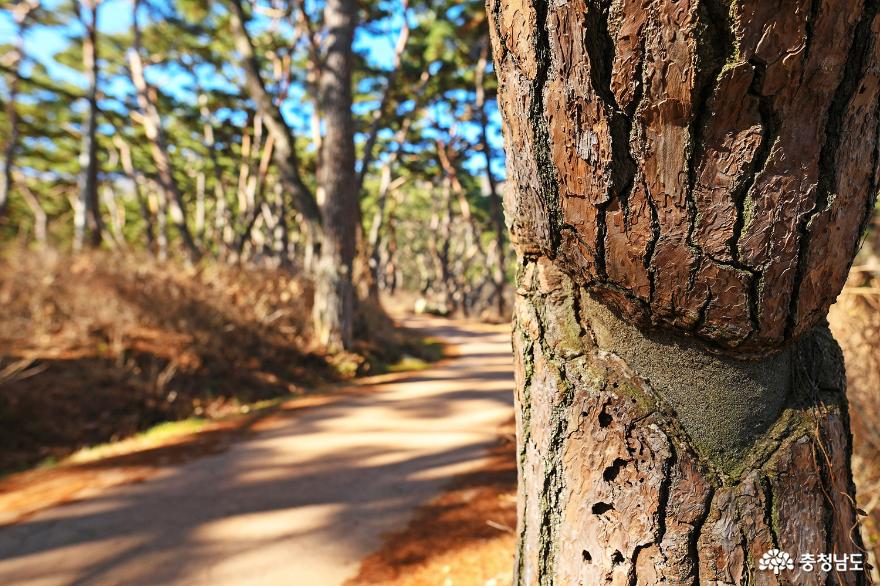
x=258, y=131
x=21, y=14
x=87, y=219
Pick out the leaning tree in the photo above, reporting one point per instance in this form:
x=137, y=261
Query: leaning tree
x=688, y=183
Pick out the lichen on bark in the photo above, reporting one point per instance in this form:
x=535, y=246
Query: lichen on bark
x=614, y=487
x=688, y=183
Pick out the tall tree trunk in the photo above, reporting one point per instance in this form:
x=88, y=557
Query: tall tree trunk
x=385, y=188
x=284, y=153
x=499, y=270
x=439, y=245
x=20, y=13
x=691, y=180
x=135, y=178
x=87, y=215
x=334, y=294
x=152, y=123
x=41, y=219
x=220, y=219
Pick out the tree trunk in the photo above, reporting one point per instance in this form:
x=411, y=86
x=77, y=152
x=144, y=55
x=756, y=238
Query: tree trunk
x=221, y=221
x=41, y=219
x=690, y=184
x=499, y=269
x=152, y=123
x=386, y=184
x=87, y=215
x=334, y=294
x=20, y=14
x=284, y=153
x=133, y=176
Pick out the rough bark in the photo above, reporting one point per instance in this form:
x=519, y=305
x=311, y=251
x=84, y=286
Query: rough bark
x=689, y=184
x=334, y=294
x=703, y=166
x=625, y=479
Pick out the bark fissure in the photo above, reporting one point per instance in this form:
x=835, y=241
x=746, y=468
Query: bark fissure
x=601, y=51
x=855, y=62
x=740, y=195
x=696, y=532
x=596, y=394
x=768, y=510
x=718, y=48
x=543, y=159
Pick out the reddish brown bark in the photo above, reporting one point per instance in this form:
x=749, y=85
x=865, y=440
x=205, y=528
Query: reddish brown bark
x=333, y=312
x=701, y=168
x=689, y=183
x=616, y=489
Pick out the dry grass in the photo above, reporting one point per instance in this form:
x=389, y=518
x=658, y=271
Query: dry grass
x=100, y=346
x=855, y=321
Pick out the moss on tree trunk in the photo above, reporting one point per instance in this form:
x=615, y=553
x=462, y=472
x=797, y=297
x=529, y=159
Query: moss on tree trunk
x=688, y=183
x=628, y=479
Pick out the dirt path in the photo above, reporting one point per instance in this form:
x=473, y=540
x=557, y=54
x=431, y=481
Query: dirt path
x=299, y=503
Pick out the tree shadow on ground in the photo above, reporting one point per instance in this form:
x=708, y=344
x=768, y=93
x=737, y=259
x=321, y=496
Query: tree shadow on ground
x=251, y=501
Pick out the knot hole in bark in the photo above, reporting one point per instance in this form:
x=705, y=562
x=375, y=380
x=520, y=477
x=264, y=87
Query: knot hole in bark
x=612, y=471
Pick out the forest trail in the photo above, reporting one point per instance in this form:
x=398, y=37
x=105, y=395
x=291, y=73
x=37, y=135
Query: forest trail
x=298, y=503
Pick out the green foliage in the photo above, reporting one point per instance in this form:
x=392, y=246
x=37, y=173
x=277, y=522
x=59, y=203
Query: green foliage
x=216, y=144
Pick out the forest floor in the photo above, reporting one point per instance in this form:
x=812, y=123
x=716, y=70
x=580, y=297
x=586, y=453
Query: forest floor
x=99, y=347
x=325, y=481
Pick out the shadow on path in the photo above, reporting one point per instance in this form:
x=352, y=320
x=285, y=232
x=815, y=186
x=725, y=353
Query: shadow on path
x=298, y=503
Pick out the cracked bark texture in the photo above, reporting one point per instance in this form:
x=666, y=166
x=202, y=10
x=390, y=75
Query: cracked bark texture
x=688, y=182
x=614, y=490
x=705, y=167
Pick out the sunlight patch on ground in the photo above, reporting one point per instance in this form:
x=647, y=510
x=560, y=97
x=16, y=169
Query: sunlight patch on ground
x=268, y=525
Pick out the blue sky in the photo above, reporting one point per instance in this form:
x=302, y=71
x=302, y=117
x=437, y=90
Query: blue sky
x=42, y=43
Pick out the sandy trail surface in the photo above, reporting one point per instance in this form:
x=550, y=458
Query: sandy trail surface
x=299, y=502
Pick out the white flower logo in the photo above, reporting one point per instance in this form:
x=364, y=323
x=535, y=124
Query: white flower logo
x=776, y=560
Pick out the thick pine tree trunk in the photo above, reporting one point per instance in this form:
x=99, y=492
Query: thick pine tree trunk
x=690, y=181
x=334, y=293
x=499, y=273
